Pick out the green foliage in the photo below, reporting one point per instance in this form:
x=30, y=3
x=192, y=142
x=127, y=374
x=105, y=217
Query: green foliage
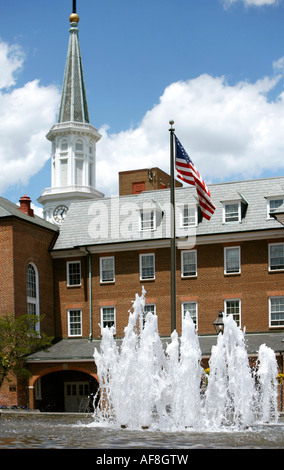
x=18, y=339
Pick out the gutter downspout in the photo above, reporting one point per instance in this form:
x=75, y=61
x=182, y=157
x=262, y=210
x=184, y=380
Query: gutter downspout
x=90, y=295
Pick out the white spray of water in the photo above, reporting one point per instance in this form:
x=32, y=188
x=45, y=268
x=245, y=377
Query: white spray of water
x=143, y=385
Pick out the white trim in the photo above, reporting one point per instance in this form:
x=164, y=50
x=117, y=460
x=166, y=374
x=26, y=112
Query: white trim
x=148, y=211
x=236, y=299
x=181, y=208
x=69, y=324
x=269, y=258
x=114, y=314
x=68, y=273
x=268, y=201
x=269, y=311
x=227, y=248
x=101, y=269
x=141, y=255
x=182, y=264
x=203, y=239
x=183, y=311
x=232, y=202
x=34, y=300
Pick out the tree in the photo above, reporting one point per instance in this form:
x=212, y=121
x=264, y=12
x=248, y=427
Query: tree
x=18, y=339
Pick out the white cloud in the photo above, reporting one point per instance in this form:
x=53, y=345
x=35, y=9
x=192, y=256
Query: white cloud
x=257, y=3
x=11, y=61
x=26, y=113
x=229, y=131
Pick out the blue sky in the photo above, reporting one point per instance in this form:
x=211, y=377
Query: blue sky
x=213, y=66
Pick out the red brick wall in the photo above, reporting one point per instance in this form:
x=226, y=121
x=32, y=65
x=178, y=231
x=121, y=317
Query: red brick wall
x=160, y=180
x=7, y=282
x=210, y=288
x=31, y=245
x=21, y=243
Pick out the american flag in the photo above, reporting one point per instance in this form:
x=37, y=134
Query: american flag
x=188, y=173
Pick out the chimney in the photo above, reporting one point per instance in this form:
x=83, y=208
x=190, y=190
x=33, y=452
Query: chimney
x=25, y=206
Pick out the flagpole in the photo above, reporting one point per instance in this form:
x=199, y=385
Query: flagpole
x=173, y=232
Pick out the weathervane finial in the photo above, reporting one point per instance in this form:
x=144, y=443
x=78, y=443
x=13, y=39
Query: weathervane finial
x=74, y=18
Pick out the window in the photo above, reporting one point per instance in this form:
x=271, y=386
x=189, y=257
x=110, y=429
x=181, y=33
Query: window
x=148, y=308
x=137, y=188
x=273, y=205
x=147, y=266
x=189, y=263
x=147, y=220
x=108, y=317
x=276, y=257
x=79, y=146
x=32, y=289
x=79, y=164
x=74, y=322
x=64, y=172
x=276, y=311
x=64, y=145
x=91, y=174
x=188, y=215
x=107, y=269
x=232, y=260
x=233, y=307
x=232, y=212
x=73, y=273
x=191, y=308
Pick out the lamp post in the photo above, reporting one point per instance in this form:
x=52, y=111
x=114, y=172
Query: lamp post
x=219, y=323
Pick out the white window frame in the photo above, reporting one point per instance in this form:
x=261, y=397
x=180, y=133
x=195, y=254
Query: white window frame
x=34, y=301
x=141, y=257
x=148, y=308
x=270, y=312
x=182, y=208
x=226, y=250
x=102, y=259
x=68, y=263
x=103, y=307
x=148, y=225
x=71, y=310
x=183, y=311
x=239, y=212
x=269, y=200
x=269, y=257
x=226, y=301
x=194, y=252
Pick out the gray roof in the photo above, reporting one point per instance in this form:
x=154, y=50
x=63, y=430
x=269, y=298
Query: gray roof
x=83, y=349
x=8, y=209
x=115, y=219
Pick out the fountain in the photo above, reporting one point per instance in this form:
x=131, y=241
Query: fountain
x=143, y=385
x=164, y=398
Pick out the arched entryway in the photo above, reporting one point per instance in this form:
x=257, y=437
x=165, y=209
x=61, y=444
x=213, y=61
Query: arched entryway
x=65, y=391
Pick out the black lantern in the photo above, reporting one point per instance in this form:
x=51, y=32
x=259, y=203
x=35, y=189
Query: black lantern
x=219, y=323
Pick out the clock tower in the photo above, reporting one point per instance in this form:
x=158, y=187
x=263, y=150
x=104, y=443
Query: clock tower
x=73, y=140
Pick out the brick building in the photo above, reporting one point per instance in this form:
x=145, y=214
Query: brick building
x=25, y=263
x=92, y=254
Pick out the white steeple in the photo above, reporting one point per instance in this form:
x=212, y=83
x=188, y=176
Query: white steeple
x=73, y=170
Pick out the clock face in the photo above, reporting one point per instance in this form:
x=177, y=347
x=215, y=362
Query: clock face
x=59, y=213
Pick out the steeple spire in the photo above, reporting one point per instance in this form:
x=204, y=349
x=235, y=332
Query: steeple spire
x=73, y=105
x=74, y=139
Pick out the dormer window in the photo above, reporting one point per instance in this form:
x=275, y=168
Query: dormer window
x=273, y=204
x=188, y=215
x=232, y=212
x=147, y=220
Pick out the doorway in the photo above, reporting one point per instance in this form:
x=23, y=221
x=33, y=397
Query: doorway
x=75, y=393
